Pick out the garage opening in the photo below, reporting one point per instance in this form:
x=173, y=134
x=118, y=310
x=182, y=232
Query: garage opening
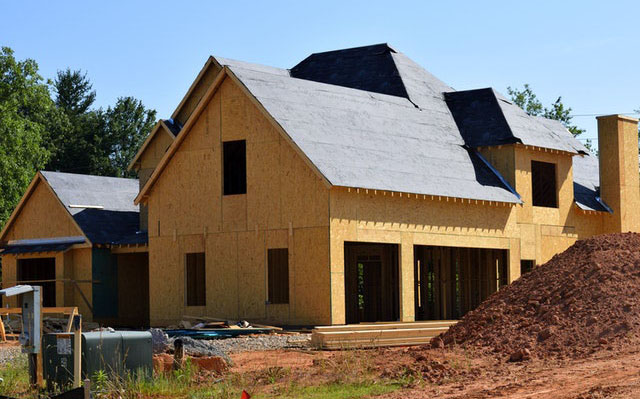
x=42, y=271
x=450, y=281
x=371, y=282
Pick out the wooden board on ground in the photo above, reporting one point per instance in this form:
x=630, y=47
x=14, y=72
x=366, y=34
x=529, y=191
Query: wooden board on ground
x=377, y=334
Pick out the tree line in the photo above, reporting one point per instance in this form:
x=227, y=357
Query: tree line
x=52, y=124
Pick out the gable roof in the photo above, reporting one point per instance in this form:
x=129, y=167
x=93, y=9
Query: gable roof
x=101, y=207
x=356, y=138
x=376, y=141
x=78, y=192
x=370, y=117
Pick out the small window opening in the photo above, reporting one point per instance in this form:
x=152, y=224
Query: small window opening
x=543, y=184
x=195, y=279
x=526, y=266
x=278, y=260
x=234, y=167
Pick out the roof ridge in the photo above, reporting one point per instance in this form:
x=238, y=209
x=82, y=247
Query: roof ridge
x=87, y=175
x=381, y=45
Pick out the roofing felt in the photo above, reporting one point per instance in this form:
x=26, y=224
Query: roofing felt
x=110, y=227
x=363, y=139
x=377, y=68
x=102, y=206
x=370, y=68
x=77, y=191
x=370, y=117
x=486, y=118
x=586, y=183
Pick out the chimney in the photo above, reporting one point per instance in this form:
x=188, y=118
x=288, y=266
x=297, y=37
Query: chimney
x=619, y=176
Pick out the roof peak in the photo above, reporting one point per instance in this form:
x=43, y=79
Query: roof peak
x=369, y=47
x=377, y=68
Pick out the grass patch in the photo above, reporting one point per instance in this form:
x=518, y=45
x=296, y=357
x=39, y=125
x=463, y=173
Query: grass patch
x=354, y=381
x=342, y=391
x=15, y=378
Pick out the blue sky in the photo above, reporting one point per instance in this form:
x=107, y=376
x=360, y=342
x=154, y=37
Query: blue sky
x=585, y=51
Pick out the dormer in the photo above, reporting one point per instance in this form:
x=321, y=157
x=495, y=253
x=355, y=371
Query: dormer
x=533, y=154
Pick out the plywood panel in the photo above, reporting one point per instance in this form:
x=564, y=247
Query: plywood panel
x=187, y=201
x=166, y=281
x=43, y=216
x=191, y=101
x=252, y=272
x=9, y=276
x=311, y=280
x=223, y=285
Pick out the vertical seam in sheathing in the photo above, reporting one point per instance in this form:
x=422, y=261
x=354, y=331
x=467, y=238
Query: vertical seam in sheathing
x=331, y=320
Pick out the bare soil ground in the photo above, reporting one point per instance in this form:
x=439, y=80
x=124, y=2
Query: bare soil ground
x=453, y=373
x=582, y=301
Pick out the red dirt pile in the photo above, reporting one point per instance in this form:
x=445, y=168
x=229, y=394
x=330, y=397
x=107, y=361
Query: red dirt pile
x=581, y=301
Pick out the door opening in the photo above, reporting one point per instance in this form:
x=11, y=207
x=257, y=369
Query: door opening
x=42, y=272
x=371, y=282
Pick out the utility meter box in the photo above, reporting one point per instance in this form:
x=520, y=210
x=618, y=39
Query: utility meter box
x=31, y=315
x=111, y=352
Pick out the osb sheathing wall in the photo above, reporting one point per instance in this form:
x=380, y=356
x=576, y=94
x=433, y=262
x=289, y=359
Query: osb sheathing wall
x=528, y=232
x=286, y=206
x=43, y=216
x=408, y=220
x=190, y=102
x=148, y=161
x=618, y=145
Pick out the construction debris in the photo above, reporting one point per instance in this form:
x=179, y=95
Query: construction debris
x=212, y=328
x=582, y=301
x=159, y=340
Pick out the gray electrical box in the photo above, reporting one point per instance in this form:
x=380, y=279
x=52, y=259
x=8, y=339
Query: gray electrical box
x=31, y=315
x=112, y=352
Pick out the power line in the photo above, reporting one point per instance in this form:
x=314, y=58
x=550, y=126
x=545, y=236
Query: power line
x=611, y=113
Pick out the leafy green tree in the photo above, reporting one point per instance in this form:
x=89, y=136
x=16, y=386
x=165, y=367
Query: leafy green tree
x=526, y=99
x=124, y=127
x=26, y=110
x=95, y=141
x=74, y=94
x=73, y=141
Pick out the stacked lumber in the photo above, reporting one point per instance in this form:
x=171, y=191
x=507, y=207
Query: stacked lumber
x=371, y=335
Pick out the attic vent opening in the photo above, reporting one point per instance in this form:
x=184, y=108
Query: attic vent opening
x=234, y=167
x=86, y=206
x=543, y=184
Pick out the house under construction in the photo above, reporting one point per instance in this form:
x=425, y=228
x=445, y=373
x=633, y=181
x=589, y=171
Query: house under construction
x=353, y=187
